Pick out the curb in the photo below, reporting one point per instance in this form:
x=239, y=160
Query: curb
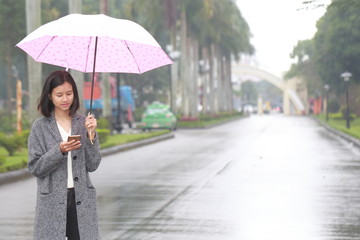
x=216, y=124
x=131, y=145
x=344, y=136
x=20, y=174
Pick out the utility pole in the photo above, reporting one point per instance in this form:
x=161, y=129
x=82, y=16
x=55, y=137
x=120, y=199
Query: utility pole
x=33, y=21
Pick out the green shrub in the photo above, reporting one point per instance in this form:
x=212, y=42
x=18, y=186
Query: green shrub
x=333, y=106
x=103, y=134
x=352, y=116
x=103, y=123
x=12, y=142
x=3, y=169
x=17, y=166
x=8, y=122
x=2, y=160
x=336, y=116
x=341, y=116
x=25, y=135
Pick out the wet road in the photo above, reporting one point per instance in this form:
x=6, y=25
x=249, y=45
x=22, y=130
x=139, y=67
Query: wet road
x=259, y=178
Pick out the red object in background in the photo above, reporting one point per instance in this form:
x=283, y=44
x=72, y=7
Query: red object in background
x=129, y=114
x=317, y=105
x=87, y=90
x=112, y=81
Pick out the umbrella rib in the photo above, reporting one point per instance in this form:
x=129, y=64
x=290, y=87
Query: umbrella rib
x=137, y=65
x=87, y=57
x=42, y=50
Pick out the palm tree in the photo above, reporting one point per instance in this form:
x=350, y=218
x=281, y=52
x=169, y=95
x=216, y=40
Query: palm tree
x=197, y=25
x=218, y=47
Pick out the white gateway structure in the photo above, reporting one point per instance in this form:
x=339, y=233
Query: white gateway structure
x=294, y=90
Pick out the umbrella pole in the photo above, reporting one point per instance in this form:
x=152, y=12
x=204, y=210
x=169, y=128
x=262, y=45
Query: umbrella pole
x=92, y=85
x=93, y=76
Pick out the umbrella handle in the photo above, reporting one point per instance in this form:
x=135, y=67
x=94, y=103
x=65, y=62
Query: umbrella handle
x=91, y=138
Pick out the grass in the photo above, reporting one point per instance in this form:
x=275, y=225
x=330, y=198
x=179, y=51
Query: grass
x=19, y=160
x=206, y=121
x=340, y=125
x=118, y=139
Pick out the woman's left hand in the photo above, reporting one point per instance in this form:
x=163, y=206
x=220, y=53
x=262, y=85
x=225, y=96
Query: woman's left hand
x=90, y=124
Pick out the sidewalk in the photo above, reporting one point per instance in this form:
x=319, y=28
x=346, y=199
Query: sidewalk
x=17, y=175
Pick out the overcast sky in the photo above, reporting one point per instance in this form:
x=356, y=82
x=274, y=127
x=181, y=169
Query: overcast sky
x=277, y=26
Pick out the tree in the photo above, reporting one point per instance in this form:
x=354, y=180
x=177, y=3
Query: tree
x=192, y=23
x=303, y=54
x=337, y=43
x=249, y=92
x=11, y=32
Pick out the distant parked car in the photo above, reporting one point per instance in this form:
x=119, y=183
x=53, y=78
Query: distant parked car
x=249, y=109
x=158, y=116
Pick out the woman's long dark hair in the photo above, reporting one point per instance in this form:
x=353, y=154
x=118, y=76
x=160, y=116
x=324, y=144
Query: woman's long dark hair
x=54, y=80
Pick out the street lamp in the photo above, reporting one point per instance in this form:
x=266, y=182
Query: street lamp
x=347, y=75
x=327, y=87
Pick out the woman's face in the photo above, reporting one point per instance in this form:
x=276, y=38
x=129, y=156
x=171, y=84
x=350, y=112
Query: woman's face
x=62, y=97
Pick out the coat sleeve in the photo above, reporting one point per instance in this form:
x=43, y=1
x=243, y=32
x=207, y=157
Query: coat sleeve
x=92, y=154
x=42, y=161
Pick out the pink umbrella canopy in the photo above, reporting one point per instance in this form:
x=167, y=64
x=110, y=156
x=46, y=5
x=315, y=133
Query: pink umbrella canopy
x=95, y=43
x=72, y=41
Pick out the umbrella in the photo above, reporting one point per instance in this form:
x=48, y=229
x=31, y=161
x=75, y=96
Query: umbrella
x=95, y=43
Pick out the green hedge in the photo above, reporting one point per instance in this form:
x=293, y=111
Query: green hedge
x=207, y=120
x=103, y=134
x=2, y=160
x=18, y=158
x=12, y=142
x=341, y=116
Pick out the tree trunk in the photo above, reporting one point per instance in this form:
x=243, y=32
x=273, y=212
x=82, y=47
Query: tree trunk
x=211, y=94
x=75, y=6
x=33, y=21
x=216, y=77
x=174, y=71
x=229, y=87
x=205, y=81
x=174, y=86
x=9, y=77
x=194, y=76
x=183, y=65
x=221, y=86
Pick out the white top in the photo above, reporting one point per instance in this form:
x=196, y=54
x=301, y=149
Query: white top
x=64, y=136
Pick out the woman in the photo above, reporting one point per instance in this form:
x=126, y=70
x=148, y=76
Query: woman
x=66, y=199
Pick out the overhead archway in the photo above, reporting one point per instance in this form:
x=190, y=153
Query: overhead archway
x=289, y=88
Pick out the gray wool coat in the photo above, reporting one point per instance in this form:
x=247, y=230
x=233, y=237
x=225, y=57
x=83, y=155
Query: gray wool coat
x=49, y=165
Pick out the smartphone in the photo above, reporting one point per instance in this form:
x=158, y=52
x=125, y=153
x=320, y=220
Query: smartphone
x=74, y=137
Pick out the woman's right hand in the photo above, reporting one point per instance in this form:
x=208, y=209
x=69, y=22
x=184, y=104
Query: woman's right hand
x=69, y=146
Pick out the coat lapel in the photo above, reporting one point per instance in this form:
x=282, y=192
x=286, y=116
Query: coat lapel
x=75, y=124
x=53, y=128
